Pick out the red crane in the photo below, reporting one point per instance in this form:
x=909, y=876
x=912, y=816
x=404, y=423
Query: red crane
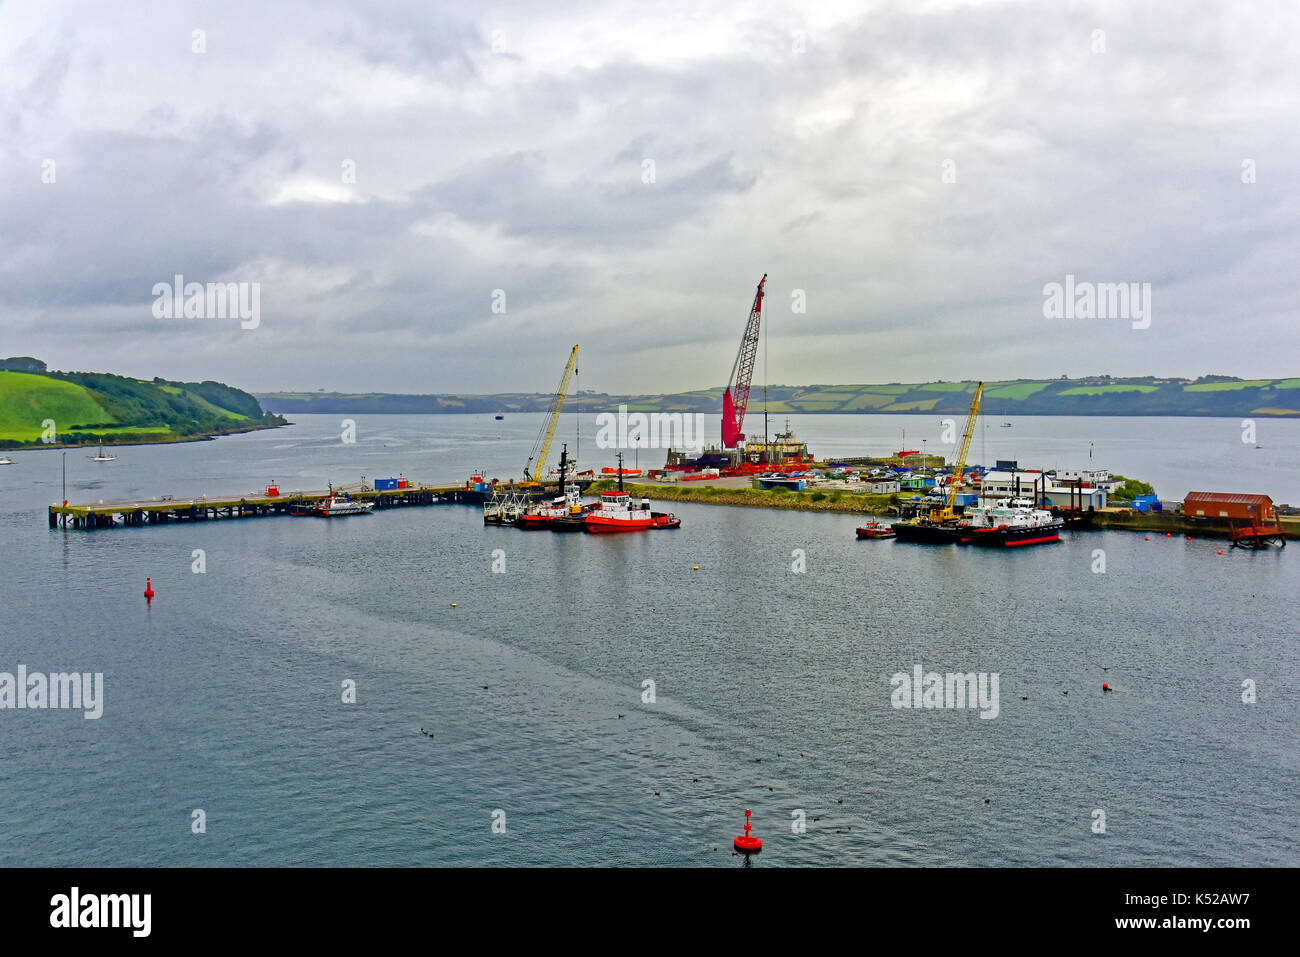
x=736, y=399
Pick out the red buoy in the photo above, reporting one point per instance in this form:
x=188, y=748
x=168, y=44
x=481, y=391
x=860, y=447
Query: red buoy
x=746, y=844
x=1104, y=686
x=148, y=590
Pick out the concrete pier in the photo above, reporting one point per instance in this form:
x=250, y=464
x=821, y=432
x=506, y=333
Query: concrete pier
x=203, y=508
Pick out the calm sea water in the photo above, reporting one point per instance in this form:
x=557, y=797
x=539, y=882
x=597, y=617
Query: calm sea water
x=225, y=695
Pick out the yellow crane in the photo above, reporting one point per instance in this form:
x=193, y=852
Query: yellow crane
x=949, y=509
x=535, y=470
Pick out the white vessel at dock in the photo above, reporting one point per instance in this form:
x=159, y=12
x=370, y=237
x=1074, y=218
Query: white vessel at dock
x=1014, y=522
x=337, y=506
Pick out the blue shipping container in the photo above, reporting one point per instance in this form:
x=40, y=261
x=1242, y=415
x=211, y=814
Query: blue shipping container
x=384, y=485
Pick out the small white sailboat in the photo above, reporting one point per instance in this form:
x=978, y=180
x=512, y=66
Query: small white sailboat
x=103, y=456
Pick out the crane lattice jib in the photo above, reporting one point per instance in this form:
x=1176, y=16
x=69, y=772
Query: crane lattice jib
x=959, y=466
x=742, y=373
x=535, y=470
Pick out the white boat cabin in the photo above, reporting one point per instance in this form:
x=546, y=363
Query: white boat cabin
x=621, y=505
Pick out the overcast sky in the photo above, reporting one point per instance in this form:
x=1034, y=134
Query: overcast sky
x=919, y=170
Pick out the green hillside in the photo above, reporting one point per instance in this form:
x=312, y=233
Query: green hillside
x=39, y=408
x=27, y=400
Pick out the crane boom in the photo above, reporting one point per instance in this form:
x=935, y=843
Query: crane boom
x=535, y=470
x=736, y=399
x=959, y=466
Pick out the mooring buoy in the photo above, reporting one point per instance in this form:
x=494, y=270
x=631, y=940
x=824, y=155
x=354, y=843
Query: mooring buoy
x=746, y=844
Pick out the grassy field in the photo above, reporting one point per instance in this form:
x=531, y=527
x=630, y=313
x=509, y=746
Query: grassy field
x=1014, y=390
x=1227, y=386
x=854, y=502
x=1108, y=389
x=868, y=401
x=134, y=430
x=28, y=400
x=923, y=405
x=945, y=387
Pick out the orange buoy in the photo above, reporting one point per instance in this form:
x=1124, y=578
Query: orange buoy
x=746, y=844
x=1169, y=534
x=1146, y=538
x=1220, y=551
x=148, y=590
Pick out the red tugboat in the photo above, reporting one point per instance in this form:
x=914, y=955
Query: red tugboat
x=562, y=514
x=618, y=513
x=876, y=530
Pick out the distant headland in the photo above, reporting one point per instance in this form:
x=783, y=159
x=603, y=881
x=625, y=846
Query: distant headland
x=1210, y=395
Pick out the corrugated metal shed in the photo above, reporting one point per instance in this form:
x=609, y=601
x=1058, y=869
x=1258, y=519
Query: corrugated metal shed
x=1228, y=505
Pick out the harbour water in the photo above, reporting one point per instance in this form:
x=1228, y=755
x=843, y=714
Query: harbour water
x=772, y=686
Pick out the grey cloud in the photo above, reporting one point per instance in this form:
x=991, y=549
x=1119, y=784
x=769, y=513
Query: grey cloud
x=522, y=171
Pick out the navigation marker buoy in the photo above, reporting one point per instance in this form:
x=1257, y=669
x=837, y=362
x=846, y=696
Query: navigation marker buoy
x=746, y=844
x=695, y=568
x=148, y=591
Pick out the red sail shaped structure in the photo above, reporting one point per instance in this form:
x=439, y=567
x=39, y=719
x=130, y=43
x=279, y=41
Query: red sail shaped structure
x=736, y=399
